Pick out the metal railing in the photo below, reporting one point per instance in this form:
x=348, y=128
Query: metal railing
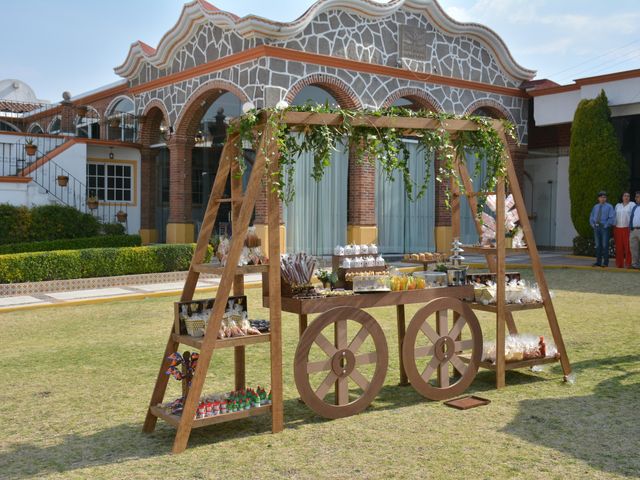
x=56, y=181
x=122, y=127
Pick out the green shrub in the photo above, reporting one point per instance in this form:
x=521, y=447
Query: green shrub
x=586, y=246
x=595, y=161
x=52, y=222
x=113, y=229
x=95, y=262
x=15, y=223
x=101, y=241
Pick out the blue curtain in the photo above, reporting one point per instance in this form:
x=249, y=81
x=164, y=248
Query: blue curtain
x=316, y=219
x=405, y=226
x=468, y=232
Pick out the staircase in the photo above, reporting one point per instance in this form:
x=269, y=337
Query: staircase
x=54, y=180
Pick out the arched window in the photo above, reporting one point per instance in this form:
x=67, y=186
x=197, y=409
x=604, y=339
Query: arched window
x=7, y=127
x=88, y=124
x=122, y=123
x=55, y=125
x=35, y=128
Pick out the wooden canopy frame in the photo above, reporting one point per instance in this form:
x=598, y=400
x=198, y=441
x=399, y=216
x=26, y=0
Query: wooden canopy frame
x=243, y=203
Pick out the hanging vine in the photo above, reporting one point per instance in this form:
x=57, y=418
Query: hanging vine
x=384, y=145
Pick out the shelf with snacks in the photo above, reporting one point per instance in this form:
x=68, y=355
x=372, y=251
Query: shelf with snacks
x=509, y=307
x=204, y=422
x=513, y=365
x=196, y=342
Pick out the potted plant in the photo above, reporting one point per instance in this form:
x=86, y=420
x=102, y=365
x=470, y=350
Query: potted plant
x=327, y=279
x=30, y=147
x=92, y=202
x=508, y=238
x=63, y=180
x=121, y=216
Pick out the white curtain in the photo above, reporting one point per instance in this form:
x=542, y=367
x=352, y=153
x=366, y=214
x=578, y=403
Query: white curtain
x=468, y=232
x=316, y=219
x=405, y=226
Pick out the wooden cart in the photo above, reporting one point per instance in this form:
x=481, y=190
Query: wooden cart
x=448, y=347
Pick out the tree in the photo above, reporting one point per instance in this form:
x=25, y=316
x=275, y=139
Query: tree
x=595, y=161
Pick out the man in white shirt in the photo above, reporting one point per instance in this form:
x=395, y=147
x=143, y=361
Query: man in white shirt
x=634, y=235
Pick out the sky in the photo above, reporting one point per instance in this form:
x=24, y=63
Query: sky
x=73, y=45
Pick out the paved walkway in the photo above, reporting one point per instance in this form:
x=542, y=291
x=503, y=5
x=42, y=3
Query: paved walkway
x=97, y=295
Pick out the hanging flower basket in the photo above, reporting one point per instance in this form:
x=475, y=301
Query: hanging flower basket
x=63, y=180
x=31, y=149
x=121, y=216
x=114, y=122
x=92, y=203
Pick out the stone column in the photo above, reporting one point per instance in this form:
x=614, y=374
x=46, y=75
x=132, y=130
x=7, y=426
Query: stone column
x=148, y=231
x=443, y=233
x=361, y=211
x=180, y=228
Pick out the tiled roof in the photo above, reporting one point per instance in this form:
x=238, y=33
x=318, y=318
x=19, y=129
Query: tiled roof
x=11, y=106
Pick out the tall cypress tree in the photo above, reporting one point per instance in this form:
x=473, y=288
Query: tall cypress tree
x=595, y=161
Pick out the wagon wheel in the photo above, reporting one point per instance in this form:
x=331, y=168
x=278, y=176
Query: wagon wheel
x=340, y=362
x=427, y=350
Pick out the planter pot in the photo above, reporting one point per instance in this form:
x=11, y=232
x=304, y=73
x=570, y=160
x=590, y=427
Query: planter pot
x=92, y=204
x=31, y=149
x=63, y=180
x=121, y=216
x=508, y=242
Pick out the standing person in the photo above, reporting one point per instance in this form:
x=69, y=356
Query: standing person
x=621, y=231
x=634, y=235
x=602, y=217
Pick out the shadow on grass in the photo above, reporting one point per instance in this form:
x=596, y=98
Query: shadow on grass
x=599, y=429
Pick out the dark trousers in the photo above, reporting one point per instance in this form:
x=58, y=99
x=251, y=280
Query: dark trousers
x=602, y=245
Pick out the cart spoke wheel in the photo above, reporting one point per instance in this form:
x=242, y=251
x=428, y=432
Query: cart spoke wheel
x=425, y=363
x=344, y=363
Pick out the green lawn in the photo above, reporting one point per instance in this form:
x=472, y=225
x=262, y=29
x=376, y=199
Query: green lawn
x=76, y=382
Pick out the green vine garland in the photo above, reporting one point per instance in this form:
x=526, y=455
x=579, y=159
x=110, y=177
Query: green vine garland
x=371, y=144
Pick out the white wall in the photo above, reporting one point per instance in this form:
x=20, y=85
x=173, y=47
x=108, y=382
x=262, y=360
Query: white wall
x=556, y=108
x=564, y=226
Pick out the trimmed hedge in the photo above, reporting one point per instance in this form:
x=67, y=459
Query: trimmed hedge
x=48, y=222
x=95, y=262
x=101, y=241
x=595, y=161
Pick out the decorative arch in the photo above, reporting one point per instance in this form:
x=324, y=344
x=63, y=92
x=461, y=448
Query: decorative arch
x=199, y=102
x=57, y=118
x=9, y=125
x=343, y=93
x=33, y=128
x=114, y=102
x=497, y=109
x=420, y=97
x=154, y=113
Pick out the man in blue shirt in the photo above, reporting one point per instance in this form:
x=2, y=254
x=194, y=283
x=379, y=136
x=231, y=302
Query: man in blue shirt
x=602, y=218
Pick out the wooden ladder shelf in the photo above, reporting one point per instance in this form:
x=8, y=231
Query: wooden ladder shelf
x=496, y=261
x=242, y=205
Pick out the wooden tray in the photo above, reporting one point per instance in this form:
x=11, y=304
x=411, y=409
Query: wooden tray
x=467, y=402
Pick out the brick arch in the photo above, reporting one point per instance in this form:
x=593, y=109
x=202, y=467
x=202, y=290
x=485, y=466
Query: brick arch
x=153, y=114
x=497, y=109
x=423, y=99
x=343, y=93
x=34, y=125
x=199, y=102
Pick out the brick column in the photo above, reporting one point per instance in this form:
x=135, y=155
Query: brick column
x=519, y=154
x=361, y=207
x=67, y=118
x=148, y=230
x=180, y=228
x=443, y=235
x=261, y=221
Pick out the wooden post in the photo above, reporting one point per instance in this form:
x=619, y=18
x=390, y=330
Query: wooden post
x=238, y=280
x=275, y=300
x=402, y=329
x=500, y=285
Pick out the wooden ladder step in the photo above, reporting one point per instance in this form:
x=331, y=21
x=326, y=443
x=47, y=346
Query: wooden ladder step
x=230, y=200
x=509, y=307
x=216, y=269
x=196, y=342
x=203, y=422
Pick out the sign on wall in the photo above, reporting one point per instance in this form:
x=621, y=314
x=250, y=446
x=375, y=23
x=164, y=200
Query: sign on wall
x=413, y=43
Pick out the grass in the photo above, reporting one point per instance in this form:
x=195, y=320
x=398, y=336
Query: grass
x=76, y=382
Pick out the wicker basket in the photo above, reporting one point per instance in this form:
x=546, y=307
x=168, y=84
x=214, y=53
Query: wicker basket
x=195, y=327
